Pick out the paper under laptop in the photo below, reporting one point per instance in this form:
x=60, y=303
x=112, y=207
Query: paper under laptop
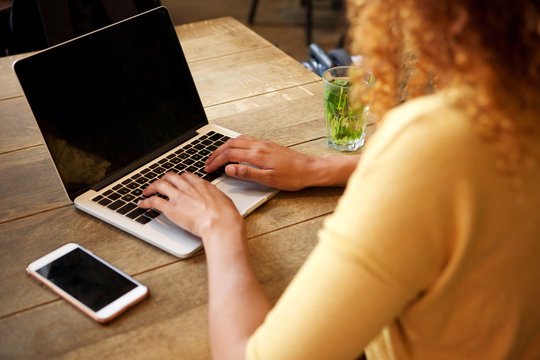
x=115, y=107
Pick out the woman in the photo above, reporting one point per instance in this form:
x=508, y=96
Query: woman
x=433, y=251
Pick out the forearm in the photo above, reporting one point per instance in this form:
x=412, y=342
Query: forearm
x=237, y=304
x=331, y=170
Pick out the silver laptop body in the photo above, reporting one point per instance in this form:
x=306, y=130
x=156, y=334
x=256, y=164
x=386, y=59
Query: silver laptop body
x=118, y=108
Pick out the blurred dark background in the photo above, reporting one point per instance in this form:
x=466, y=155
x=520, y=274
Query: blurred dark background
x=27, y=25
x=282, y=22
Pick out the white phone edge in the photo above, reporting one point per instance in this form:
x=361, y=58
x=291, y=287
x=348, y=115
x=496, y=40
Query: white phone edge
x=103, y=315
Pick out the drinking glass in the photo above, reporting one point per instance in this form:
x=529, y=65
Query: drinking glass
x=345, y=120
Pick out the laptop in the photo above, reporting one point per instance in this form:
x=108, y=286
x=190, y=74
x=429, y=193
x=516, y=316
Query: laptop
x=118, y=108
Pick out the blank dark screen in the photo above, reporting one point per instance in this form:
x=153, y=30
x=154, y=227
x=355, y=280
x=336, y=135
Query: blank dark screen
x=86, y=279
x=105, y=100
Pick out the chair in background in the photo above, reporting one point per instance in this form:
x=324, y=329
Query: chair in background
x=37, y=24
x=308, y=4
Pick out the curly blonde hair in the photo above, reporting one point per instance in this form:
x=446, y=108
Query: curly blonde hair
x=415, y=47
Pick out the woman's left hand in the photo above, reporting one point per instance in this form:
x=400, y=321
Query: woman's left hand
x=194, y=204
x=237, y=305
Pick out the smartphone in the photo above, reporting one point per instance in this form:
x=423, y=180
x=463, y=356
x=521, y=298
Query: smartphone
x=88, y=282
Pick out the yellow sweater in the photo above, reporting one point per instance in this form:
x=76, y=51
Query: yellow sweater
x=430, y=254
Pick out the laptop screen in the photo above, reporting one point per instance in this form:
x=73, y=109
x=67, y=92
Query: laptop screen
x=105, y=100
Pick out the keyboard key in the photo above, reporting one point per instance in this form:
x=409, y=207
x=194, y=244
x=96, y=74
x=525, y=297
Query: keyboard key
x=142, y=180
x=117, y=204
x=143, y=219
x=135, y=213
x=180, y=167
x=97, y=198
x=150, y=177
x=211, y=176
x=152, y=213
x=129, y=197
x=104, y=202
x=159, y=170
x=126, y=208
x=114, y=196
x=123, y=190
x=133, y=185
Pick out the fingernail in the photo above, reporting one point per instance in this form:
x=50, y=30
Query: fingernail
x=231, y=170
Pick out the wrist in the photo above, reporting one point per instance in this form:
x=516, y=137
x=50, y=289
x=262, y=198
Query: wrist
x=227, y=252
x=228, y=239
x=332, y=170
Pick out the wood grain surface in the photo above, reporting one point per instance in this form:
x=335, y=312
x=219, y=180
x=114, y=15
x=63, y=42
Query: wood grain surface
x=247, y=85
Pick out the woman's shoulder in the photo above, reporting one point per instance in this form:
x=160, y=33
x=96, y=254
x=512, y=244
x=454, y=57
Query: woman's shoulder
x=438, y=111
x=426, y=124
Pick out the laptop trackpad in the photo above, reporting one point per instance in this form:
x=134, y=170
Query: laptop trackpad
x=246, y=195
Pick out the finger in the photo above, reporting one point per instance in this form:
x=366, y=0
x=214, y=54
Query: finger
x=192, y=178
x=186, y=181
x=202, y=191
x=241, y=142
x=248, y=173
x=153, y=202
x=162, y=186
x=251, y=156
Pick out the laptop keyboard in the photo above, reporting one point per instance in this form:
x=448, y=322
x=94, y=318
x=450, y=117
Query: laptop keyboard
x=124, y=196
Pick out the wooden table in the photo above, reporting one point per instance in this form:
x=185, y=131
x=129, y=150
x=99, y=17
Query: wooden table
x=246, y=84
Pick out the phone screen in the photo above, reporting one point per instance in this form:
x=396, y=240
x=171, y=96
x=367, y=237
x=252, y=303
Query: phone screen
x=86, y=279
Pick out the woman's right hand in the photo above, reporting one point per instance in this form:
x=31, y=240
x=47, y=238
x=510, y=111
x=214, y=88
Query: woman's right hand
x=279, y=167
x=269, y=164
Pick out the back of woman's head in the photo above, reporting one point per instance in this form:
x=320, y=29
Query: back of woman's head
x=415, y=47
